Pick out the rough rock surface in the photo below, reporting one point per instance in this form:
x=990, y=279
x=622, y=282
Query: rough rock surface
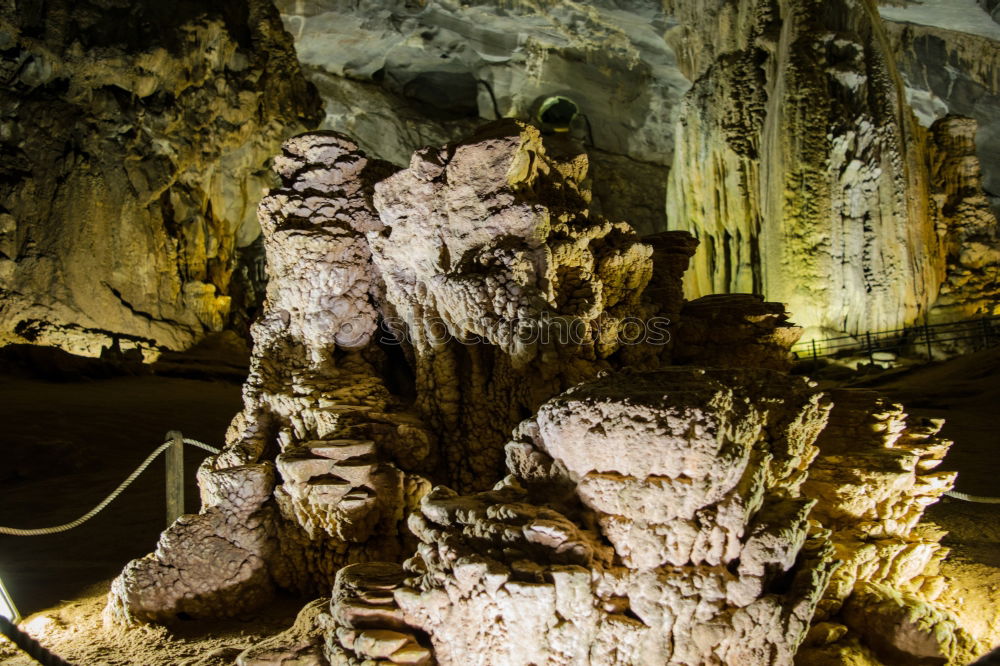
x=400, y=75
x=873, y=478
x=649, y=514
x=134, y=145
x=691, y=475
x=799, y=166
x=965, y=218
x=504, y=287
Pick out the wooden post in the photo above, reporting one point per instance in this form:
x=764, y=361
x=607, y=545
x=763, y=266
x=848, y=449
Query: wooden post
x=175, y=477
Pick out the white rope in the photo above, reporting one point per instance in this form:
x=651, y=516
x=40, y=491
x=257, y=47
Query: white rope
x=110, y=498
x=202, y=445
x=978, y=499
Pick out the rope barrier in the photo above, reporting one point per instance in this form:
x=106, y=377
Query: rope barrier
x=202, y=445
x=110, y=498
x=978, y=499
x=33, y=648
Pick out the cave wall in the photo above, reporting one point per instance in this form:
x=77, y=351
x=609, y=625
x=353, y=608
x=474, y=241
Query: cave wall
x=135, y=140
x=400, y=75
x=950, y=63
x=780, y=133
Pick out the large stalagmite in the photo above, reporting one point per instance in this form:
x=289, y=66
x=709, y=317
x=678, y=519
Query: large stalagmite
x=617, y=509
x=800, y=169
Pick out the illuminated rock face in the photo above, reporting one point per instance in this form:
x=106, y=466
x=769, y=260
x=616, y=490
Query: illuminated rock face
x=134, y=147
x=969, y=224
x=799, y=167
x=641, y=512
x=873, y=478
x=795, y=158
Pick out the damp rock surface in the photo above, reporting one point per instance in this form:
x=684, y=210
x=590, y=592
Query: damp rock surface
x=134, y=152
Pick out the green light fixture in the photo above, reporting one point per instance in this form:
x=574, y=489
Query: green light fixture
x=557, y=113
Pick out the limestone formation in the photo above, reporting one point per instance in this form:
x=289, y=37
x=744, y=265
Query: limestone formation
x=698, y=480
x=966, y=220
x=873, y=478
x=806, y=182
x=307, y=482
x=504, y=286
x=134, y=149
x=642, y=511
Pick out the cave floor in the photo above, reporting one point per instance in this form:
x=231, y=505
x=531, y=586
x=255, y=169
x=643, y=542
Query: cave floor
x=66, y=445
x=966, y=393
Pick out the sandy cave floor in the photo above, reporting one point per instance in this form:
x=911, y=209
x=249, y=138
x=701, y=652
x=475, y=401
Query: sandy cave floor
x=66, y=444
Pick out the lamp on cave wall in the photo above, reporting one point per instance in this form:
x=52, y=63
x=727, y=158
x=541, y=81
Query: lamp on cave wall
x=557, y=113
x=7, y=607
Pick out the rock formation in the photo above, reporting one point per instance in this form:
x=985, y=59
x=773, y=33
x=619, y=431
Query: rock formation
x=966, y=221
x=802, y=172
x=504, y=288
x=403, y=75
x=806, y=182
x=134, y=148
x=608, y=507
x=306, y=483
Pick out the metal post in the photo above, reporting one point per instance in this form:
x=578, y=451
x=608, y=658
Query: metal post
x=871, y=354
x=927, y=339
x=814, y=349
x=175, y=476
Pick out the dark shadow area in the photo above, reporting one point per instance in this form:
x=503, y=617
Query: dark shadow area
x=66, y=445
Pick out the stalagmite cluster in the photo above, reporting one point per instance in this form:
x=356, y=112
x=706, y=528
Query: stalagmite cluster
x=420, y=444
